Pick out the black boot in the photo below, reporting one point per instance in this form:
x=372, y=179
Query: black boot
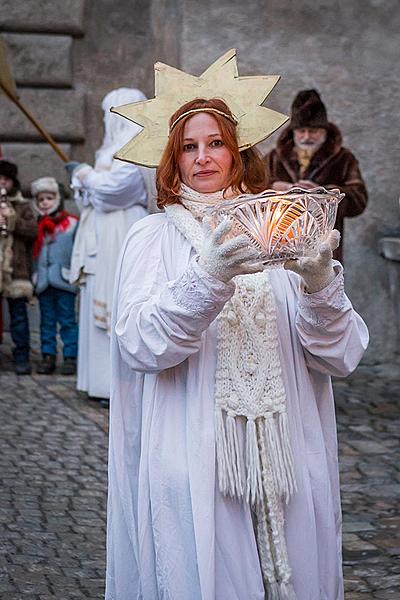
x=23, y=368
x=68, y=366
x=47, y=365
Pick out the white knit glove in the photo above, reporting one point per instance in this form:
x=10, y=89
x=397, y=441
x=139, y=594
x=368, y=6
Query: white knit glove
x=224, y=260
x=317, y=272
x=81, y=171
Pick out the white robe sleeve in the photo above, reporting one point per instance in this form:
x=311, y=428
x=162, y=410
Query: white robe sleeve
x=159, y=322
x=332, y=334
x=118, y=189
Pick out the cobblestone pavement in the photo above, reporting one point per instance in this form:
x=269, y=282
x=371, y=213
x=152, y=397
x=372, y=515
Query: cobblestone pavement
x=369, y=433
x=53, y=454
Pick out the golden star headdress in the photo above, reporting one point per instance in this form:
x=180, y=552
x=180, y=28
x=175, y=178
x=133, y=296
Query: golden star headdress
x=173, y=88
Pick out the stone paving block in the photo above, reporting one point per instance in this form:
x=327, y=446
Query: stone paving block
x=356, y=584
x=33, y=588
x=55, y=16
x=378, y=583
x=356, y=526
x=369, y=447
x=386, y=491
x=40, y=60
x=354, y=542
x=61, y=112
x=387, y=594
x=392, y=545
x=391, y=523
x=358, y=596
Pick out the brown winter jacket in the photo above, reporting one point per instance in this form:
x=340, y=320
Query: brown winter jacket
x=332, y=166
x=24, y=232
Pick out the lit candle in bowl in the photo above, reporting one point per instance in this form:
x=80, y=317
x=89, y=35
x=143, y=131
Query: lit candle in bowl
x=284, y=226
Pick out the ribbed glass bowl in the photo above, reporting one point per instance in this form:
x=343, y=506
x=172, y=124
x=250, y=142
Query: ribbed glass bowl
x=283, y=226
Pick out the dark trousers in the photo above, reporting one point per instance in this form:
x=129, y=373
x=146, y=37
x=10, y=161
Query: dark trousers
x=19, y=329
x=58, y=307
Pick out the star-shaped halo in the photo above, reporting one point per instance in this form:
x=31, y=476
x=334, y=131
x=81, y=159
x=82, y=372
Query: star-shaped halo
x=173, y=87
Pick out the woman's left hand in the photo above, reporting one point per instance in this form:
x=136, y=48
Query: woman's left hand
x=77, y=169
x=317, y=272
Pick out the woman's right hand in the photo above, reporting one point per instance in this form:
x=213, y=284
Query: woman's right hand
x=226, y=259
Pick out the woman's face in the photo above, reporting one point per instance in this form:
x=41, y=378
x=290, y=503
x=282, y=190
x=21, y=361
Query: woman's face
x=205, y=163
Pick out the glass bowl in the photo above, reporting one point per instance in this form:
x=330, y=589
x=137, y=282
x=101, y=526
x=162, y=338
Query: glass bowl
x=282, y=225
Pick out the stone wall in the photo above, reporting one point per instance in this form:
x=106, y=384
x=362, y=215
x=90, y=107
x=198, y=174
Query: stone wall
x=119, y=50
x=67, y=54
x=40, y=38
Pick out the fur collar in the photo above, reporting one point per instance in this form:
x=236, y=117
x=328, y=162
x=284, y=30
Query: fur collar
x=17, y=198
x=286, y=152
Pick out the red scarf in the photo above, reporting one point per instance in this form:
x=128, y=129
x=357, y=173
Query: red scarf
x=49, y=225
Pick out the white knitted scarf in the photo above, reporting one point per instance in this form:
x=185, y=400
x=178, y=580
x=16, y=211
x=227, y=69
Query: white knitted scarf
x=249, y=388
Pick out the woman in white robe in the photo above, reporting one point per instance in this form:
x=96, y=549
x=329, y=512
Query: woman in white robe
x=171, y=533
x=111, y=197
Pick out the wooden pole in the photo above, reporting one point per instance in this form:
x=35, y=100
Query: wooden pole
x=36, y=124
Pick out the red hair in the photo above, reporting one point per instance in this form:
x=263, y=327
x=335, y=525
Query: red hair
x=248, y=171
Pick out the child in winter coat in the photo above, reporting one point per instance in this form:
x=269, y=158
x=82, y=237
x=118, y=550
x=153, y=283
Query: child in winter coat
x=52, y=257
x=18, y=230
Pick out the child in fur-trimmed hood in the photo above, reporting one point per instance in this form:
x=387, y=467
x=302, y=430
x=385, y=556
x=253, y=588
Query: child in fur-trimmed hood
x=52, y=258
x=19, y=232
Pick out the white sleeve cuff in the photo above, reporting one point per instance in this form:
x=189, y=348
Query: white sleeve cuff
x=199, y=292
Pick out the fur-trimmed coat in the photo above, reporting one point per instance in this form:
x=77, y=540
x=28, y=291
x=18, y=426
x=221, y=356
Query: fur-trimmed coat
x=22, y=227
x=332, y=166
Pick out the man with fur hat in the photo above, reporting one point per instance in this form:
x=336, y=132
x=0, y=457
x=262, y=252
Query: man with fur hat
x=52, y=255
x=19, y=229
x=309, y=153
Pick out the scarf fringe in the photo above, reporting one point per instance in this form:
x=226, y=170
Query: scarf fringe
x=273, y=559
x=225, y=475
x=271, y=511
x=273, y=455
x=233, y=451
x=254, y=487
x=280, y=591
x=265, y=546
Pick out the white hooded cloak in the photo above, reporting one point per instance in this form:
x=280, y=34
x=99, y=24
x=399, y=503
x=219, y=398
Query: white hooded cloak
x=111, y=196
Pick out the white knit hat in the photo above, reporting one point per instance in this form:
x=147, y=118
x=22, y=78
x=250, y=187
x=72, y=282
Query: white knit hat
x=44, y=184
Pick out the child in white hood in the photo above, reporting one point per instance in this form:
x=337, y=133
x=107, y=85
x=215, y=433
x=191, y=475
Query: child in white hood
x=52, y=258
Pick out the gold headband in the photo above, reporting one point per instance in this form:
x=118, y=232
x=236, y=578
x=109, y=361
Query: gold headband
x=198, y=110
x=174, y=88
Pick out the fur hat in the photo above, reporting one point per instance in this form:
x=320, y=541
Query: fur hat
x=10, y=170
x=45, y=184
x=308, y=110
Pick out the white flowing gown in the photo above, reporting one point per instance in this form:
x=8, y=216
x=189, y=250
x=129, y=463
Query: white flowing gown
x=171, y=535
x=119, y=199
